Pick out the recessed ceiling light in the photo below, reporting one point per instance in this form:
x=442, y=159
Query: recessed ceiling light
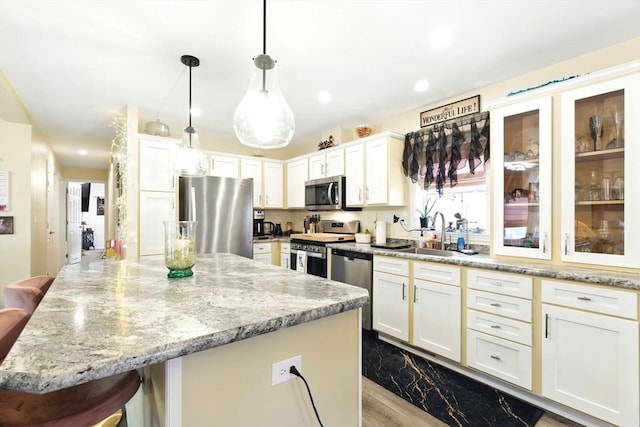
x=440, y=38
x=324, y=97
x=421, y=86
x=82, y=152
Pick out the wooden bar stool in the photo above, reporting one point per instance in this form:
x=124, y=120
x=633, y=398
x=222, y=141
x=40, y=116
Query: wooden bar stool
x=81, y=405
x=27, y=294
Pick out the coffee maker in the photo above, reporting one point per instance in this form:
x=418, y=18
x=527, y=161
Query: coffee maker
x=258, y=223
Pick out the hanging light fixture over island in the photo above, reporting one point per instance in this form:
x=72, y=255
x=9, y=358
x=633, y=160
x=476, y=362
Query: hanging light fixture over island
x=189, y=159
x=263, y=118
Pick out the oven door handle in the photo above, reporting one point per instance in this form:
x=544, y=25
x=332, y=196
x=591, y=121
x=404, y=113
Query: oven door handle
x=310, y=254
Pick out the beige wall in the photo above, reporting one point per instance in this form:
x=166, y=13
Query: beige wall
x=15, y=157
x=230, y=386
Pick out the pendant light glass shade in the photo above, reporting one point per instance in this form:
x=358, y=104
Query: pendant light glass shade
x=263, y=118
x=188, y=159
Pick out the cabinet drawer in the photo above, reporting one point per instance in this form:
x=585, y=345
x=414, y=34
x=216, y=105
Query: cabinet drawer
x=436, y=273
x=503, y=305
x=504, y=359
x=501, y=327
x=261, y=248
x=501, y=283
x=285, y=248
x=606, y=301
x=391, y=265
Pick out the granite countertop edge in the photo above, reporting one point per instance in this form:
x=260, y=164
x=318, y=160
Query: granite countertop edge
x=586, y=275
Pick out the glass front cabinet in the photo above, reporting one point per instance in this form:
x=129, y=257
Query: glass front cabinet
x=521, y=135
x=600, y=136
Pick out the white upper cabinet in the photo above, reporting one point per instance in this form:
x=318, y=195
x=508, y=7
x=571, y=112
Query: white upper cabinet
x=224, y=166
x=296, y=177
x=600, y=150
x=252, y=168
x=327, y=164
x=522, y=189
x=273, y=184
x=373, y=169
x=155, y=167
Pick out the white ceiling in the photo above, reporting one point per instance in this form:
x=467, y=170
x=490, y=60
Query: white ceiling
x=74, y=64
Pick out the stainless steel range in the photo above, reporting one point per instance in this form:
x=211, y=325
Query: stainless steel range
x=309, y=251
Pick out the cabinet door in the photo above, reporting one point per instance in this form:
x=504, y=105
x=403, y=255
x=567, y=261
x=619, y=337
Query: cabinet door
x=273, y=193
x=334, y=165
x=317, y=166
x=296, y=177
x=522, y=184
x=590, y=363
x=391, y=305
x=436, y=318
x=600, y=133
x=250, y=168
x=156, y=170
x=354, y=160
x=285, y=261
x=376, y=172
x=155, y=207
x=263, y=258
x=224, y=166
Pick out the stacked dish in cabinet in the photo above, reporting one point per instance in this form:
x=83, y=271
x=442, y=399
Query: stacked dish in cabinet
x=499, y=330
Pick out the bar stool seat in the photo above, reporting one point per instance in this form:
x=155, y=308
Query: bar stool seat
x=27, y=294
x=81, y=405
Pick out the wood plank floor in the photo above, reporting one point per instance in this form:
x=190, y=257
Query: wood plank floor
x=382, y=408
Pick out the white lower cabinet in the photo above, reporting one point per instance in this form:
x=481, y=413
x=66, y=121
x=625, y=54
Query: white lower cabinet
x=262, y=252
x=436, y=309
x=285, y=255
x=391, y=300
x=499, y=331
x=590, y=360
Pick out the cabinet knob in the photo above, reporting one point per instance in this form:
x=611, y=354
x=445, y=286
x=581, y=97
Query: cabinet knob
x=495, y=304
x=404, y=287
x=494, y=357
x=495, y=326
x=584, y=298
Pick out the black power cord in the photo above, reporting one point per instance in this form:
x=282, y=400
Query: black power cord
x=293, y=370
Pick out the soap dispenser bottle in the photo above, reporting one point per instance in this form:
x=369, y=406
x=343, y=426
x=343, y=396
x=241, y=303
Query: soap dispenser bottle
x=460, y=242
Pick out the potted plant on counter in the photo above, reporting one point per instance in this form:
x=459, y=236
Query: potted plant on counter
x=424, y=214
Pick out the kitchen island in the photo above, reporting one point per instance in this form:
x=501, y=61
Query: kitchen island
x=206, y=343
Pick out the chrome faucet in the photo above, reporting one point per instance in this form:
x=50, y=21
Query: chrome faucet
x=442, y=232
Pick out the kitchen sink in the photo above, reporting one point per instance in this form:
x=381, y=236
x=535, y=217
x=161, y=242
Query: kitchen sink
x=437, y=252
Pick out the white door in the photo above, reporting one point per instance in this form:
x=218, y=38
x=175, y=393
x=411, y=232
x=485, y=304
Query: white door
x=354, y=160
x=155, y=208
x=335, y=163
x=377, y=170
x=250, y=168
x=436, y=318
x=273, y=185
x=391, y=305
x=74, y=222
x=590, y=363
x=296, y=176
x=224, y=166
x=317, y=166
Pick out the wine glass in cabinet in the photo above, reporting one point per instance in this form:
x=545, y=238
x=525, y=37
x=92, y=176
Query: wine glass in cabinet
x=600, y=153
x=521, y=135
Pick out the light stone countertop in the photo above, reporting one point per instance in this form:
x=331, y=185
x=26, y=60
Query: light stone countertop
x=599, y=276
x=103, y=318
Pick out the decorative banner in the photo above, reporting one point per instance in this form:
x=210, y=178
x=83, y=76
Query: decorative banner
x=450, y=111
x=4, y=190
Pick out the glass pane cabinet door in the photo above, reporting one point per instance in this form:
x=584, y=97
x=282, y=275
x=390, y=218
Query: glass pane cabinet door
x=522, y=180
x=600, y=143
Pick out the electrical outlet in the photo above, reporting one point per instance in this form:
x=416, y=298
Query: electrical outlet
x=280, y=370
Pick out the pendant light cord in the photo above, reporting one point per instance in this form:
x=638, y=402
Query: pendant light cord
x=190, y=101
x=264, y=27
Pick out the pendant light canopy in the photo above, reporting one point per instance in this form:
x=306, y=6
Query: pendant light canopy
x=263, y=118
x=189, y=159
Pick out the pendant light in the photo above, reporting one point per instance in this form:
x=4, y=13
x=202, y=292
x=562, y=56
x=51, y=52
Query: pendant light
x=189, y=159
x=263, y=118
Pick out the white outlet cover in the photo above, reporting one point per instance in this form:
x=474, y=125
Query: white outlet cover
x=280, y=370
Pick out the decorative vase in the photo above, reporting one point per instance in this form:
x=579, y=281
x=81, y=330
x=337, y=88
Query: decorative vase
x=180, y=247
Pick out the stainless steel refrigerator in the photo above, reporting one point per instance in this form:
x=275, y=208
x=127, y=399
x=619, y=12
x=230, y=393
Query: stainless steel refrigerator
x=223, y=208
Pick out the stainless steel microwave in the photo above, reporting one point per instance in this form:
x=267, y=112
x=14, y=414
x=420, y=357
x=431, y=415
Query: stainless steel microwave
x=326, y=194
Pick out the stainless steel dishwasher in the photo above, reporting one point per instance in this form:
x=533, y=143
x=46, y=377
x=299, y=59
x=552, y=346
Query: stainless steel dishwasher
x=354, y=268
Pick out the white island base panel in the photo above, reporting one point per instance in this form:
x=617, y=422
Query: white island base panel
x=230, y=385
